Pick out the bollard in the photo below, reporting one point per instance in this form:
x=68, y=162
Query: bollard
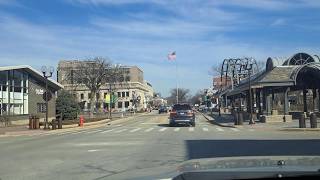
x=302, y=121
x=313, y=120
x=236, y=118
x=60, y=123
x=36, y=123
x=53, y=124
x=240, y=118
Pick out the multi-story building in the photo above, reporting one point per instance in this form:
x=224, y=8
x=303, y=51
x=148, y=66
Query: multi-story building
x=134, y=92
x=22, y=91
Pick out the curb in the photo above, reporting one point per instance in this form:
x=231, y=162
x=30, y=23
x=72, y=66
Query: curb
x=214, y=122
x=71, y=127
x=300, y=129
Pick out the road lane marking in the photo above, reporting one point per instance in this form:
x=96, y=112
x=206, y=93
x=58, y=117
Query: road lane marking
x=149, y=123
x=90, y=132
x=251, y=130
x=148, y=130
x=191, y=129
x=176, y=129
x=110, y=130
x=219, y=129
x=121, y=130
x=93, y=150
x=234, y=129
x=205, y=129
x=162, y=129
x=134, y=130
x=118, y=125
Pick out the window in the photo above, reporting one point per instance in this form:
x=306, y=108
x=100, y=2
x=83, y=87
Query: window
x=127, y=78
x=123, y=94
x=127, y=94
x=119, y=94
x=105, y=95
x=97, y=95
x=82, y=96
x=126, y=104
x=119, y=104
x=89, y=95
x=41, y=107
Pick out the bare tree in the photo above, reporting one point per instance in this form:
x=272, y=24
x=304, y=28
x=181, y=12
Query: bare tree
x=215, y=70
x=183, y=95
x=92, y=74
x=196, y=98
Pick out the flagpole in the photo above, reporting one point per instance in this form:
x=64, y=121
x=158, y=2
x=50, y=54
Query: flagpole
x=177, y=87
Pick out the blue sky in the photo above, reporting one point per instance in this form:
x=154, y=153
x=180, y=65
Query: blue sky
x=143, y=32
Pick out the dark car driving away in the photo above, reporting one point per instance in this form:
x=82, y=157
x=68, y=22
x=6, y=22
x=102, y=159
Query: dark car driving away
x=182, y=114
x=163, y=109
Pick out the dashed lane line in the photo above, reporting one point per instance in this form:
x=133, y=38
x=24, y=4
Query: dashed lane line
x=234, y=129
x=205, y=129
x=106, y=131
x=134, y=130
x=162, y=129
x=219, y=129
x=148, y=130
x=191, y=129
x=176, y=129
x=121, y=130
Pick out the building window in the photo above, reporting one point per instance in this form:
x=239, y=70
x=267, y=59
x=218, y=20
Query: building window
x=105, y=95
x=123, y=94
x=127, y=78
x=89, y=95
x=82, y=96
x=127, y=94
x=41, y=107
x=126, y=104
x=119, y=104
x=97, y=96
x=119, y=94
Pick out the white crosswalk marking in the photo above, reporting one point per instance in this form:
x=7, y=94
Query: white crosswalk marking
x=205, y=129
x=121, y=130
x=148, y=130
x=191, y=129
x=110, y=130
x=176, y=129
x=162, y=129
x=234, y=129
x=251, y=130
x=134, y=130
x=90, y=132
x=219, y=129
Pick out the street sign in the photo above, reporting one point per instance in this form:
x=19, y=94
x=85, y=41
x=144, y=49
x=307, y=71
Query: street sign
x=49, y=96
x=114, y=98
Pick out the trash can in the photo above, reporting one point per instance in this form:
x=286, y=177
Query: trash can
x=31, y=122
x=36, y=123
x=313, y=120
x=53, y=124
x=59, y=123
x=240, y=118
x=302, y=121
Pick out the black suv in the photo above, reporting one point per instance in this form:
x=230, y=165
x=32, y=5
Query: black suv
x=182, y=114
x=163, y=109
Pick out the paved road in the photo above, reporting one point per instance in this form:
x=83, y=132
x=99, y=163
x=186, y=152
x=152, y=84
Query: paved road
x=144, y=145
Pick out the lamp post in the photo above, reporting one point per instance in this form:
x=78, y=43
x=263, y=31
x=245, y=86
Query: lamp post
x=249, y=68
x=47, y=72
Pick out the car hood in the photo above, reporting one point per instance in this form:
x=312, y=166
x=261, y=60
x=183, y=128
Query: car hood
x=227, y=164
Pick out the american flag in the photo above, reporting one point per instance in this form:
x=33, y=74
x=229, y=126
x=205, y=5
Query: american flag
x=172, y=56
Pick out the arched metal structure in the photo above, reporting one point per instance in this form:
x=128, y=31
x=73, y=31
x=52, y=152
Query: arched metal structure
x=301, y=59
x=235, y=69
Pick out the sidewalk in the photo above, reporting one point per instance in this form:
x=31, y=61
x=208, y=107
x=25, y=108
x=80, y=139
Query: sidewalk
x=227, y=120
x=24, y=129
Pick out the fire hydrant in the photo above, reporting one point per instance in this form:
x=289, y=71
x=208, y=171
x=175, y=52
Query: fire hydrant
x=81, y=121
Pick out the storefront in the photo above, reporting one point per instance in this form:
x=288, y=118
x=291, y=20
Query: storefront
x=21, y=93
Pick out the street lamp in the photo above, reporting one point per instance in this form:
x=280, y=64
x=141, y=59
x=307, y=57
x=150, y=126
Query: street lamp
x=249, y=68
x=47, y=72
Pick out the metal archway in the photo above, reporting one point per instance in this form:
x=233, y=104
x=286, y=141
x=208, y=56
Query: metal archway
x=236, y=69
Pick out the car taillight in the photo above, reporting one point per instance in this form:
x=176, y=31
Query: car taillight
x=173, y=113
x=190, y=113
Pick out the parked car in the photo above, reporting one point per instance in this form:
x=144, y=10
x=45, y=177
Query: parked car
x=182, y=114
x=163, y=109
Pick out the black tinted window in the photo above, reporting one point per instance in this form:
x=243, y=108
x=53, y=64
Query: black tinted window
x=182, y=107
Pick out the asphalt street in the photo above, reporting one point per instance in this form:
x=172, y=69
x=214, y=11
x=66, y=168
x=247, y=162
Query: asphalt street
x=144, y=145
